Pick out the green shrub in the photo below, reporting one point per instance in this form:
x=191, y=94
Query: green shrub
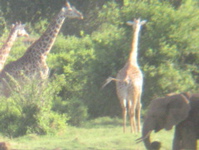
x=29, y=109
x=72, y=58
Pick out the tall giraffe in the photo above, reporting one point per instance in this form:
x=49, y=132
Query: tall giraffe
x=33, y=62
x=129, y=81
x=17, y=30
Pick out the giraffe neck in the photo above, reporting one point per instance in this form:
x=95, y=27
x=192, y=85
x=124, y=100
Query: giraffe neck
x=44, y=44
x=134, y=48
x=5, y=49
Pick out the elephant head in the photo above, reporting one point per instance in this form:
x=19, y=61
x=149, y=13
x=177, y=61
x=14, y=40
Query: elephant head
x=164, y=113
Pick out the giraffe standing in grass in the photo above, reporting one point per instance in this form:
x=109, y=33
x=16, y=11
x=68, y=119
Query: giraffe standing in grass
x=33, y=63
x=17, y=30
x=129, y=81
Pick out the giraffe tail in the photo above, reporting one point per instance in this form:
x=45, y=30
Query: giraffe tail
x=108, y=80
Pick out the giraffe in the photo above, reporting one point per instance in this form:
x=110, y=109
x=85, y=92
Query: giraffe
x=17, y=30
x=33, y=63
x=129, y=81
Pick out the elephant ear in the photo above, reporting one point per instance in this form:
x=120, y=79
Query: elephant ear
x=178, y=110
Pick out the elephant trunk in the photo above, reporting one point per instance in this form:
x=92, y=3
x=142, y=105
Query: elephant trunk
x=147, y=143
x=146, y=138
x=146, y=131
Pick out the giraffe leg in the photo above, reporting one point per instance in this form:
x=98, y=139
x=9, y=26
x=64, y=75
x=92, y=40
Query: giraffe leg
x=132, y=116
x=139, y=106
x=124, y=113
x=138, y=113
x=124, y=119
x=135, y=111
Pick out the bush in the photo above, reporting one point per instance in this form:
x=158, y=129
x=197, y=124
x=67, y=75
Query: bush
x=29, y=109
x=72, y=57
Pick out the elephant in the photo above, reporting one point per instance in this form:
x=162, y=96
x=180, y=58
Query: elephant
x=179, y=110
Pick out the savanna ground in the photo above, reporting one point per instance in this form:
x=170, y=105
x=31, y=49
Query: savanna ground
x=98, y=134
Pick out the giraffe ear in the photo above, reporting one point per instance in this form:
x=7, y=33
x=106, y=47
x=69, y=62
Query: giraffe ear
x=23, y=25
x=130, y=23
x=143, y=22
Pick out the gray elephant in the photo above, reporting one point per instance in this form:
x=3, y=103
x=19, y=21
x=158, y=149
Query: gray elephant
x=179, y=110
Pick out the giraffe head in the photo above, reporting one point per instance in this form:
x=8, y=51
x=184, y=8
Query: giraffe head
x=71, y=12
x=137, y=23
x=19, y=28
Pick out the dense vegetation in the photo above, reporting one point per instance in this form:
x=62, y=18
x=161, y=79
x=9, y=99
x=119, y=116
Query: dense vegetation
x=88, y=51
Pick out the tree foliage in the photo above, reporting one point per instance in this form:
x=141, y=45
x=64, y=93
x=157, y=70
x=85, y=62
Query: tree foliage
x=99, y=47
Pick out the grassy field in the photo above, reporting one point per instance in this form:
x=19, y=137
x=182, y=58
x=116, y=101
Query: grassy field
x=99, y=134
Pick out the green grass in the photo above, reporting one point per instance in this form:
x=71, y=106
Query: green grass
x=100, y=134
